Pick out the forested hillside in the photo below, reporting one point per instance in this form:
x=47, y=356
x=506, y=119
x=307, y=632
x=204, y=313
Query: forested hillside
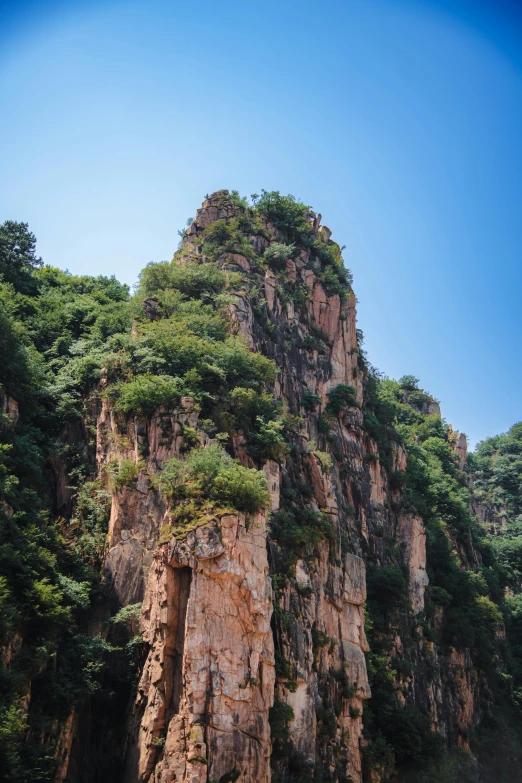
x=218, y=446
x=53, y=331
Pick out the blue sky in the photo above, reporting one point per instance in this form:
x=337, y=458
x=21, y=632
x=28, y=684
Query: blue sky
x=400, y=121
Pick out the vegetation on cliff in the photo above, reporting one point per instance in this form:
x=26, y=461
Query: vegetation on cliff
x=68, y=343
x=46, y=587
x=466, y=607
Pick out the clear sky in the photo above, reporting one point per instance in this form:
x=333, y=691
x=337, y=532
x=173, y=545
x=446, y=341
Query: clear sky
x=399, y=120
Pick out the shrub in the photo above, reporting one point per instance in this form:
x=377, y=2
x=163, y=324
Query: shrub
x=334, y=281
x=146, y=393
x=456, y=766
x=128, y=616
x=324, y=425
x=243, y=367
x=267, y=440
x=190, y=438
x=126, y=472
x=310, y=343
x=405, y=730
x=248, y=404
x=397, y=479
x=277, y=254
x=439, y=595
x=194, y=280
x=340, y=397
x=18, y=761
x=285, y=213
x=409, y=382
x=298, y=530
x=310, y=401
x=325, y=460
x=320, y=639
x=210, y=473
x=222, y=237
x=258, y=416
x=333, y=275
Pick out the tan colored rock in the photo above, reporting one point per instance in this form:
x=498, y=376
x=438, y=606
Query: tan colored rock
x=218, y=206
x=9, y=407
x=459, y=444
x=270, y=291
x=207, y=615
x=239, y=261
x=62, y=750
x=325, y=233
x=272, y=473
x=412, y=537
x=303, y=728
x=242, y=318
x=354, y=580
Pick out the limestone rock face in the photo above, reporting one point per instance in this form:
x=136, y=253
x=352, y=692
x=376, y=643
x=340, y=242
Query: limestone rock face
x=208, y=681
x=412, y=538
x=459, y=443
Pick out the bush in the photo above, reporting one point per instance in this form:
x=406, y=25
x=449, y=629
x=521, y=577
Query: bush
x=223, y=237
x=267, y=440
x=126, y=472
x=320, y=639
x=299, y=530
x=340, y=397
x=310, y=401
x=258, y=416
x=286, y=214
x=210, y=473
x=21, y=761
x=146, y=393
x=456, y=766
x=325, y=460
x=128, y=616
x=409, y=382
x=277, y=254
x=334, y=281
x=243, y=367
x=194, y=280
x=404, y=730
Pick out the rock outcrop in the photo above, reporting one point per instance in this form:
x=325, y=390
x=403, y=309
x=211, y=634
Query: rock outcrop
x=238, y=627
x=208, y=681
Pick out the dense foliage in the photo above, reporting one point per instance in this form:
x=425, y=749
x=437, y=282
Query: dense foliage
x=47, y=588
x=497, y=469
x=208, y=478
x=466, y=607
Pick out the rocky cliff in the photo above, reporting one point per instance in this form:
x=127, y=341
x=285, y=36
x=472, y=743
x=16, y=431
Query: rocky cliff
x=301, y=640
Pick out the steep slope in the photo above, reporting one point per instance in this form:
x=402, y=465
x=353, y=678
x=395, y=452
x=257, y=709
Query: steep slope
x=323, y=606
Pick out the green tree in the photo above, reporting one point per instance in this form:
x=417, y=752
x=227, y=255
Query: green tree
x=18, y=256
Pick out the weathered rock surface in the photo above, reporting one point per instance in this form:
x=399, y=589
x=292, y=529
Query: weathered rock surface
x=412, y=538
x=208, y=681
x=201, y=712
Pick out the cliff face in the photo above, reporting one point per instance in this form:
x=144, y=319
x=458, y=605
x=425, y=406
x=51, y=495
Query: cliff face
x=258, y=661
x=208, y=683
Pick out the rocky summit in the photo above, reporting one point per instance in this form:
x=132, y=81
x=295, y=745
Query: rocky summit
x=231, y=549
